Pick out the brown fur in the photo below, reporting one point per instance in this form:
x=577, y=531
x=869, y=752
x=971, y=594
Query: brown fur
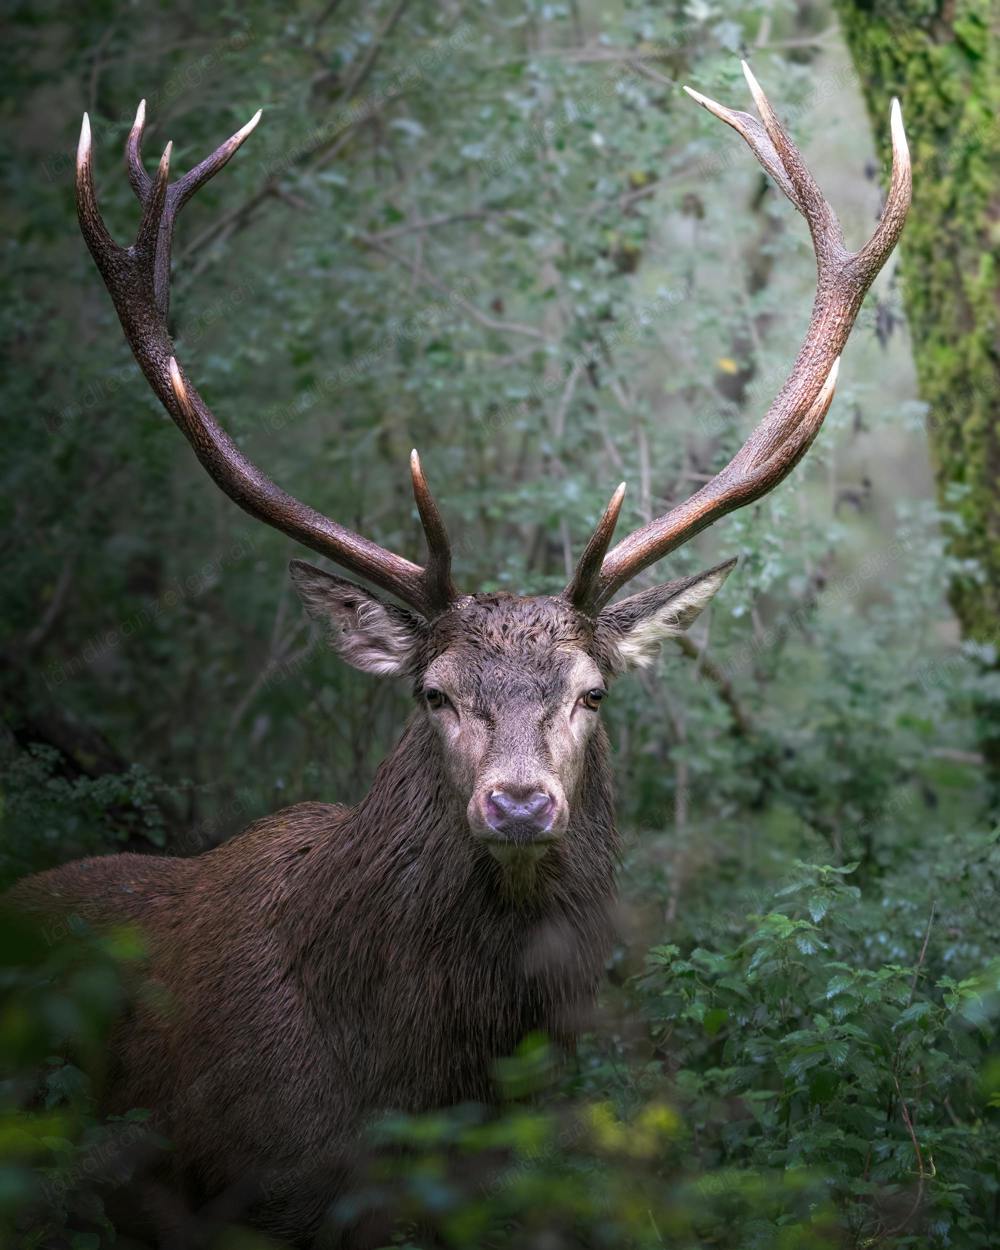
x=329, y=963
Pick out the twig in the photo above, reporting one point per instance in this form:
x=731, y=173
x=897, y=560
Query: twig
x=325, y=13
x=282, y=659
x=358, y=79
x=98, y=66
x=645, y=71
x=52, y=609
x=565, y=399
x=321, y=152
x=432, y=223
x=742, y=724
x=428, y=279
x=923, y=954
x=682, y=782
x=921, y=1174
x=228, y=222
x=959, y=757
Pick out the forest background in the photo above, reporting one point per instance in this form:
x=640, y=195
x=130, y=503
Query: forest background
x=501, y=233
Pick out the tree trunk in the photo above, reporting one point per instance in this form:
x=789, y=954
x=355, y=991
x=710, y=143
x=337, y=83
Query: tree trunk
x=942, y=58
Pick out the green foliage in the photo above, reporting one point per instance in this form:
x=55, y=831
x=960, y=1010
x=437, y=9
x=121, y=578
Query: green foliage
x=818, y=1079
x=836, y=1061
x=508, y=238
x=48, y=816
x=61, y=989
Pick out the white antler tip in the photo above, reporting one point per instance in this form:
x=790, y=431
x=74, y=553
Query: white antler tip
x=620, y=490
x=83, y=147
x=140, y=116
x=707, y=103
x=760, y=99
x=900, y=147
x=251, y=125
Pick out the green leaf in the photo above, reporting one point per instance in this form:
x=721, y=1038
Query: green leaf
x=913, y=1013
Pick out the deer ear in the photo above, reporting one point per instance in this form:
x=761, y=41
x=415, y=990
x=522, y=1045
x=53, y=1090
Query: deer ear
x=629, y=633
x=373, y=636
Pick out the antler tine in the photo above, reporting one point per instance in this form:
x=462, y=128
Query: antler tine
x=137, y=278
x=583, y=589
x=196, y=178
x=823, y=223
x=102, y=246
x=176, y=194
x=147, y=238
x=437, y=572
x=796, y=414
x=897, y=202
x=756, y=137
x=137, y=175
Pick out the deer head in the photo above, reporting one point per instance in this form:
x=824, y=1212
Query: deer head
x=509, y=686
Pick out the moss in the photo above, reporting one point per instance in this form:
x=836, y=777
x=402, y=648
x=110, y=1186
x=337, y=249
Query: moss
x=943, y=61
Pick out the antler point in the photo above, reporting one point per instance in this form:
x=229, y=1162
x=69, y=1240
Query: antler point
x=83, y=147
x=900, y=148
x=712, y=106
x=140, y=116
x=244, y=131
x=163, y=172
x=759, y=98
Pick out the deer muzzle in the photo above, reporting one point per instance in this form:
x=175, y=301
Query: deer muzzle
x=517, y=821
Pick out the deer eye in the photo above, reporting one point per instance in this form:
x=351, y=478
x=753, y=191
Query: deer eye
x=592, y=699
x=436, y=699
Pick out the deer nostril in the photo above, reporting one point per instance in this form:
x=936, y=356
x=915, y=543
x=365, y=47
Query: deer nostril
x=507, y=811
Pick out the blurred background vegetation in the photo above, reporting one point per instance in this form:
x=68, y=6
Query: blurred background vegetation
x=500, y=232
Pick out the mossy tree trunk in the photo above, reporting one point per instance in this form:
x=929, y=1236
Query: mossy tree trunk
x=942, y=58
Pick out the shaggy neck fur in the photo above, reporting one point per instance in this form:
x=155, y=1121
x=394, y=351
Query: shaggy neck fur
x=433, y=958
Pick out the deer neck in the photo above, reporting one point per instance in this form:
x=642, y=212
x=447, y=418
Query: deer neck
x=424, y=952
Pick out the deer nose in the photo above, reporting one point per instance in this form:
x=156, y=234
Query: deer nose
x=520, y=811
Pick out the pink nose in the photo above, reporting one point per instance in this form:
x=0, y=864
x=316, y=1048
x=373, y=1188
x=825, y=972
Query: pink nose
x=520, y=812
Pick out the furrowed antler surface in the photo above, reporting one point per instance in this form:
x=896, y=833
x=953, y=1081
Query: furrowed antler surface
x=138, y=278
x=795, y=416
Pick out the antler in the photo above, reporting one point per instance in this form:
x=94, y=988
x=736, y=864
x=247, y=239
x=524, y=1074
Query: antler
x=138, y=278
x=795, y=416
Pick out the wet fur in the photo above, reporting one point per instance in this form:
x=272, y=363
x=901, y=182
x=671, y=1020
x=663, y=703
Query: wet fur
x=329, y=963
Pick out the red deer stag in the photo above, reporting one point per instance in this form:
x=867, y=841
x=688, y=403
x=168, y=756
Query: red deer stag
x=329, y=962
